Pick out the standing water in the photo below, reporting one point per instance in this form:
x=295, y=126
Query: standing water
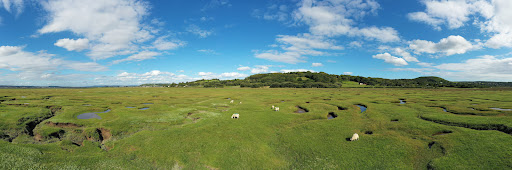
x=91, y=115
x=363, y=108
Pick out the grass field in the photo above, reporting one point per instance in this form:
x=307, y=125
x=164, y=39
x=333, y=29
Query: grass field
x=191, y=128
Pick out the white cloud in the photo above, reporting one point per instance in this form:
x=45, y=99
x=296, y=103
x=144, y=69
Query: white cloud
x=454, y=13
x=233, y=75
x=296, y=70
x=113, y=27
x=347, y=73
x=285, y=57
x=144, y=55
x=12, y=6
x=260, y=69
x=316, y=65
x=73, y=45
x=38, y=66
x=180, y=71
x=205, y=73
x=489, y=68
x=449, y=46
x=356, y=44
x=406, y=55
x=388, y=58
x=208, y=51
x=161, y=43
x=306, y=41
x=243, y=68
x=424, y=17
x=194, y=29
x=335, y=18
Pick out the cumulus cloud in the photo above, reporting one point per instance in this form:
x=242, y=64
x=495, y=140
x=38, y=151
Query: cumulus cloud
x=493, y=17
x=335, y=18
x=316, y=65
x=38, y=66
x=489, y=68
x=260, y=69
x=388, y=58
x=144, y=55
x=208, y=51
x=449, y=46
x=243, y=68
x=73, y=45
x=233, y=75
x=347, y=73
x=406, y=55
x=116, y=23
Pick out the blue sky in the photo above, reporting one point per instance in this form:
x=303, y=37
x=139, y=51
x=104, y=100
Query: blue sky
x=130, y=42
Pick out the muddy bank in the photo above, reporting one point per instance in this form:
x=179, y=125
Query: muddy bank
x=63, y=125
x=331, y=115
x=30, y=123
x=499, y=127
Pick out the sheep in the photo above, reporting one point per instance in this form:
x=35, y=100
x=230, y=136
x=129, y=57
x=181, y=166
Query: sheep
x=276, y=109
x=240, y=102
x=273, y=107
x=354, y=137
x=231, y=101
x=235, y=116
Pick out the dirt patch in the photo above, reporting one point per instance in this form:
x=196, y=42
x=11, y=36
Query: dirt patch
x=444, y=132
x=307, y=102
x=301, y=110
x=38, y=137
x=190, y=114
x=104, y=134
x=63, y=125
x=368, y=132
x=394, y=120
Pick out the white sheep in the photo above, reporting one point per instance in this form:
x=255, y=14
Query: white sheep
x=273, y=107
x=235, y=116
x=240, y=102
x=354, y=137
x=276, y=109
x=231, y=101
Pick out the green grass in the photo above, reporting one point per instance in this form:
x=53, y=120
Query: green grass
x=191, y=128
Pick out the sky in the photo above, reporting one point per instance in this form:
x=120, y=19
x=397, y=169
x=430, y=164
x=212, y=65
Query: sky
x=131, y=42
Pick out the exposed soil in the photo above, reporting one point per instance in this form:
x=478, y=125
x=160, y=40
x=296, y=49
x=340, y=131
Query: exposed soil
x=30, y=126
x=498, y=127
x=104, y=134
x=63, y=125
x=394, y=120
x=368, y=132
x=444, y=132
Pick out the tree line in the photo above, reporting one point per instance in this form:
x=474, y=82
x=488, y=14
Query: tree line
x=324, y=80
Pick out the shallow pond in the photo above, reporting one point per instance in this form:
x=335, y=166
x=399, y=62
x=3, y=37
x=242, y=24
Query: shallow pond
x=402, y=101
x=91, y=115
x=131, y=107
x=147, y=103
x=363, y=108
x=500, y=109
x=145, y=108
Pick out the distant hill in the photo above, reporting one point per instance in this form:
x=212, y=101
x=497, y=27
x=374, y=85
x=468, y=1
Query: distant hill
x=324, y=80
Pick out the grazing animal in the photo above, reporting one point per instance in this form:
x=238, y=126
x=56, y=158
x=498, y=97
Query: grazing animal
x=231, y=101
x=235, y=116
x=240, y=102
x=276, y=109
x=273, y=107
x=354, y=137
